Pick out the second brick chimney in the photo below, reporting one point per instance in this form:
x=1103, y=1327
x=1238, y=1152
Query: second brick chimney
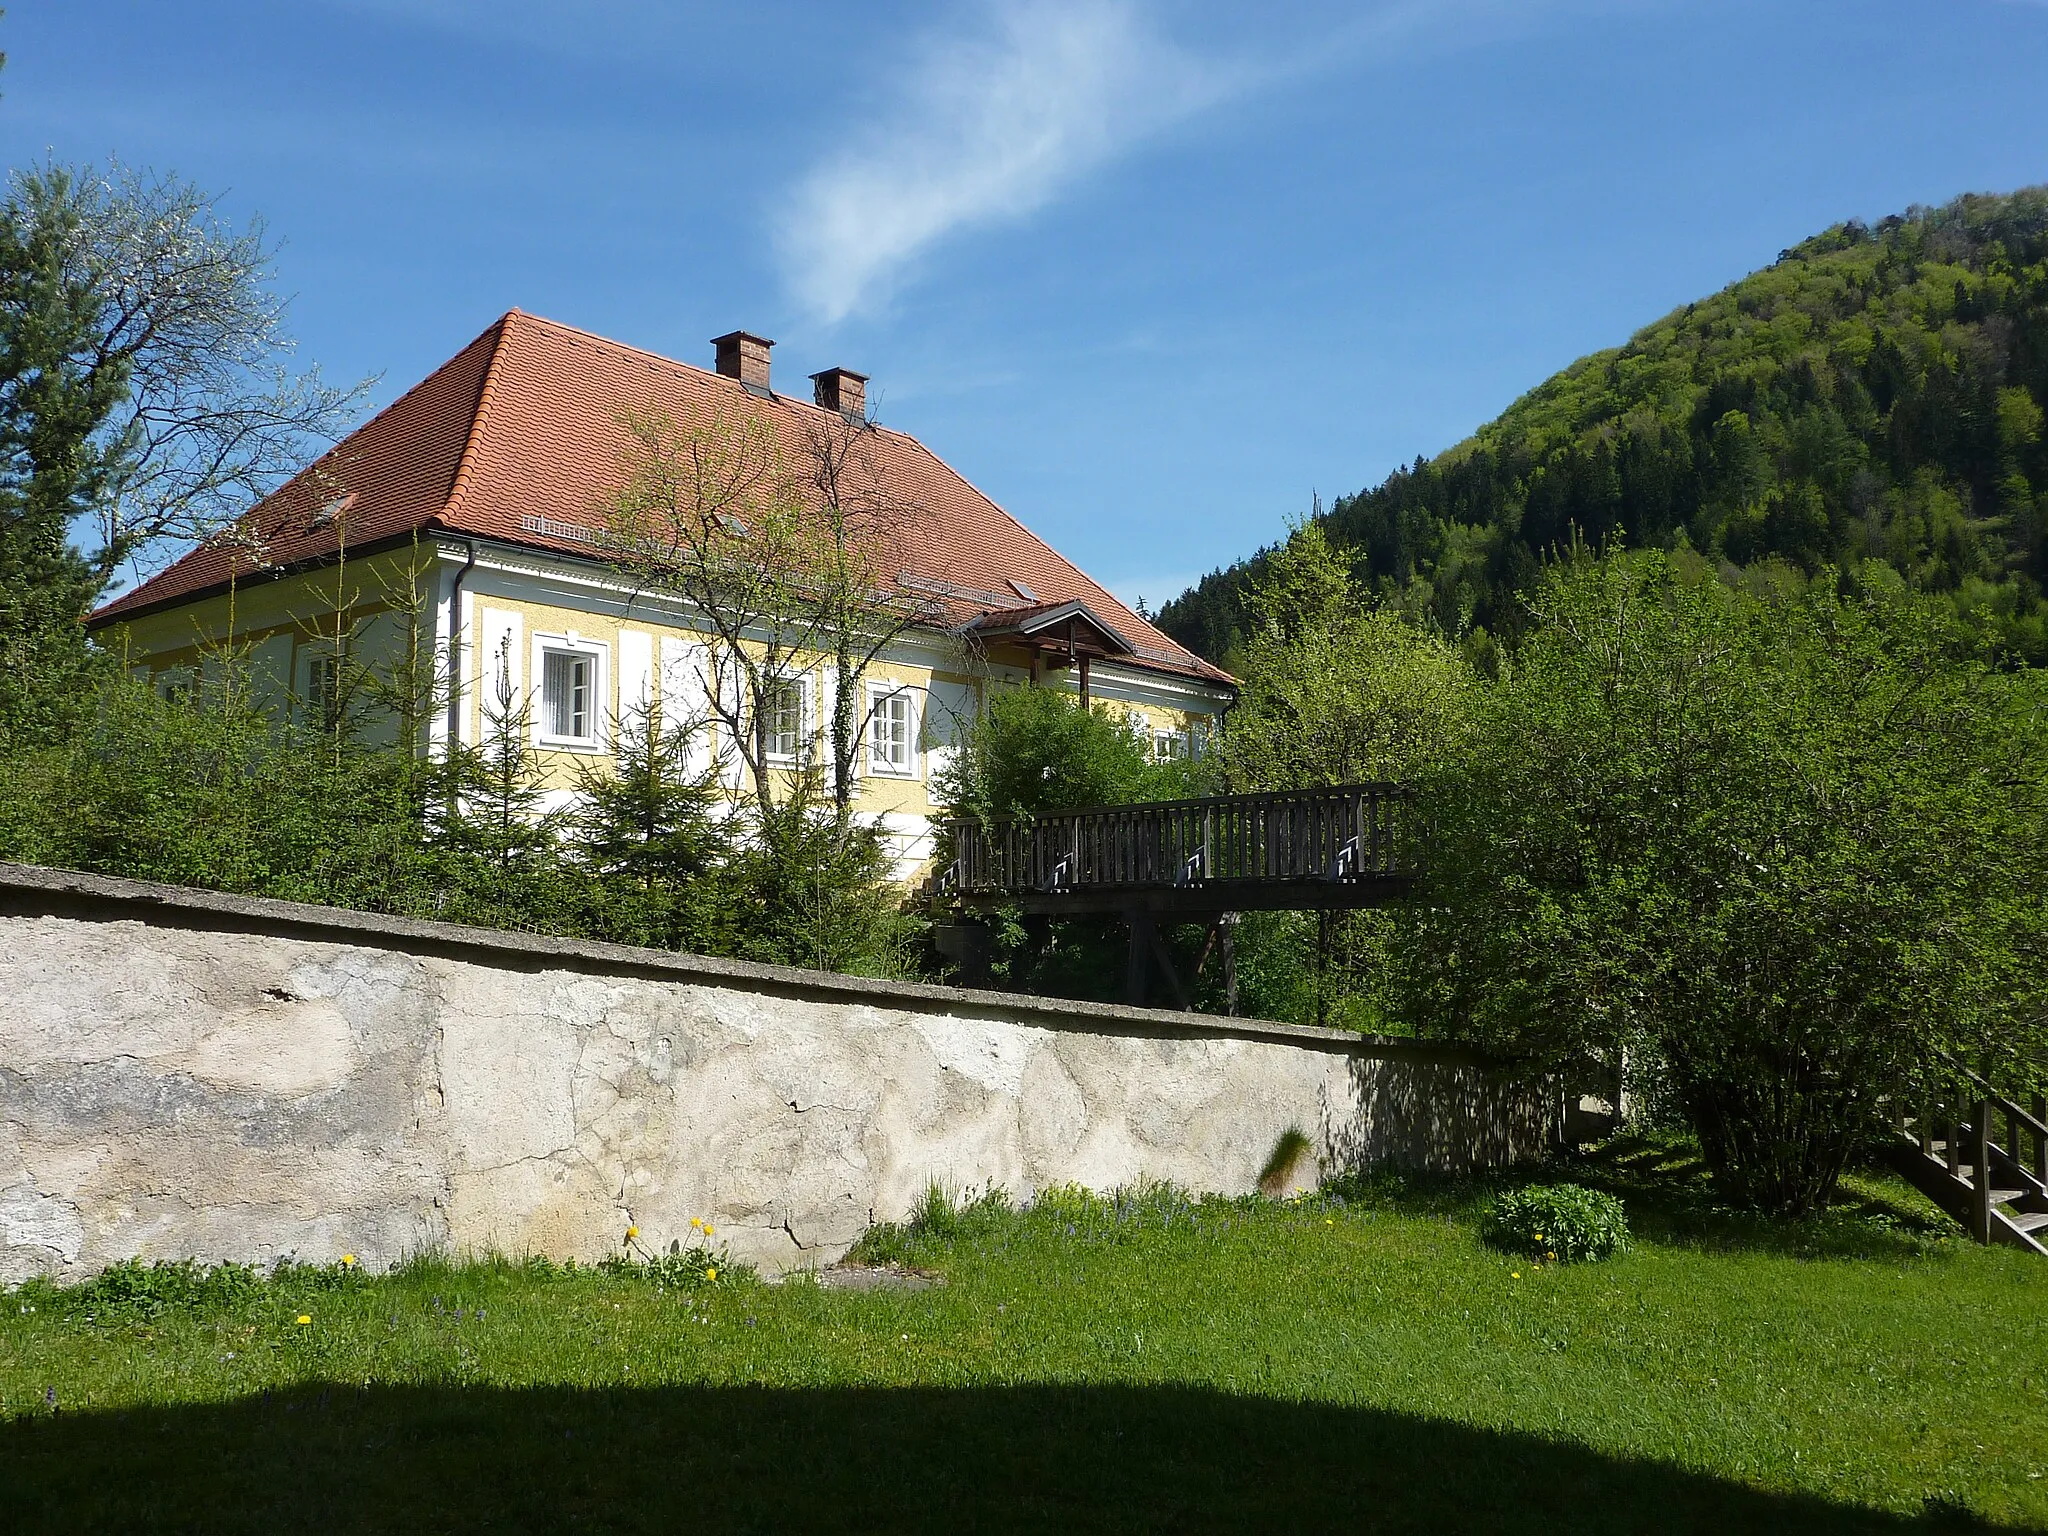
x=841, y=390
x=744, y=356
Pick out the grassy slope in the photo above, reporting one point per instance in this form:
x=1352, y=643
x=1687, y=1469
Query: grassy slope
x=1255, y=1367
x=1889, y=385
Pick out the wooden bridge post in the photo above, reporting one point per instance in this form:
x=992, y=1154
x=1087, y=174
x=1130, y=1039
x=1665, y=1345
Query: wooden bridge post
x=1138, y=969
x=1980, y=1183
x=1230, y=964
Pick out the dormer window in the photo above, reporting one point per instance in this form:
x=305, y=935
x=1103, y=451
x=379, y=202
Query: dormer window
x=329, y=510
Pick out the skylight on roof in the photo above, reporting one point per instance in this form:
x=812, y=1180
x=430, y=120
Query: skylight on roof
x=330, y=509
x=1022, y=590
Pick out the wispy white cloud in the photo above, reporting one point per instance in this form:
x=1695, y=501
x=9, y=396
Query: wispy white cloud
x=993, y=120
x=987, y=128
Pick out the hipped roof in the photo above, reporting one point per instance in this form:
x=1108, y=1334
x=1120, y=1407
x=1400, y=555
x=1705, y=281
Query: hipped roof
x=520, y=437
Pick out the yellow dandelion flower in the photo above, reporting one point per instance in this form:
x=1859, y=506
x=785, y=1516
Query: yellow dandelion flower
x=348, y=1260
x=1516, y=1275
x=1329, y=1221
x=631, y=1233
x=709, y=1229
x=710, y=1274
x=1539, y=1237
x=303, y=1319
x=1551, y=1256
x=697, y=1222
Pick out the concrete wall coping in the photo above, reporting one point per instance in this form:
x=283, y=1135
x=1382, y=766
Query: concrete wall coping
x=28, y=890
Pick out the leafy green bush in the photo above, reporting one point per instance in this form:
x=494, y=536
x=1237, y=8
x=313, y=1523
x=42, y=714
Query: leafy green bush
x=1560, y=1222
x=132, y=1288
x=1785, y=838
x=1037, y=750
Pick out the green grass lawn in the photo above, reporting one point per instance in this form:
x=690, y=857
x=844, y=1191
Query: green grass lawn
x=1158, y=1365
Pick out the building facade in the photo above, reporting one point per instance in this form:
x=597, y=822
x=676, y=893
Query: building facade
x=460, y=541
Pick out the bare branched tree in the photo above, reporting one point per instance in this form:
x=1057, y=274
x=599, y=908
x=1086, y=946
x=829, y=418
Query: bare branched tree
x=793, y=560
x=180, y=302
x=861, y=537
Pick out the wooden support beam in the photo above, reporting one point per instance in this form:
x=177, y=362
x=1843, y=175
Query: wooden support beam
x=1980, y=1191
x=1144, y=929
x=1165, y=958
x=1229, y=921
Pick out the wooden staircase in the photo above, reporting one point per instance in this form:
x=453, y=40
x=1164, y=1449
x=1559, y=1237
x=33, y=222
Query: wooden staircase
x=1981, y=1158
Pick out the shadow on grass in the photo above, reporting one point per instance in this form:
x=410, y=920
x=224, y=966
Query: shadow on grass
x=339, y=1458
x=1671, y=1201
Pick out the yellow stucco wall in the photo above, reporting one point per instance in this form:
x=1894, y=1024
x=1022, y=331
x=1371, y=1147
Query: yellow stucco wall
x=277, y=626
x=379, y=608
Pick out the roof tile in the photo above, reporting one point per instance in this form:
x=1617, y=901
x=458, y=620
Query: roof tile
x=519, y=437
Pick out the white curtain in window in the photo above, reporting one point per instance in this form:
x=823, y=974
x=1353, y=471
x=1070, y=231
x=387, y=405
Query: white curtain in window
x=951, y=710
x=566, y=690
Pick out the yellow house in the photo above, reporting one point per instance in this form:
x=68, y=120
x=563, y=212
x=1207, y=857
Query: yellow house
x=461, y=536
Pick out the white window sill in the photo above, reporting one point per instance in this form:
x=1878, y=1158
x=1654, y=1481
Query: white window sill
x=568, y=744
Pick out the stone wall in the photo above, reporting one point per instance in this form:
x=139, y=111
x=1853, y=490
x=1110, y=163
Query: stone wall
x=188, y=1074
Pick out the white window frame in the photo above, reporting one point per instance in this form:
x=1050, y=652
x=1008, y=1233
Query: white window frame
x=797, y=690
x=176, y=685
x=316, y=658
x=1170, y=745
x=877, y=765
x=598, y=654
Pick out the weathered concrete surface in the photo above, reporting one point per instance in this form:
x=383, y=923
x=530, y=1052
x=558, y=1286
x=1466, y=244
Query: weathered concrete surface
x=188, y=1074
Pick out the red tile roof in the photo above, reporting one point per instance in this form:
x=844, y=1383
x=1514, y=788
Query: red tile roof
x=518, y=437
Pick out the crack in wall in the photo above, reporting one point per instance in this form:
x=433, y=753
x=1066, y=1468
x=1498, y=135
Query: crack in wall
x=669, y=1094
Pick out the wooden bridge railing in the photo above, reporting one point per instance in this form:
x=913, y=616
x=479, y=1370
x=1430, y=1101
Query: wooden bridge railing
x=1355, y=833
x=1971, y=1164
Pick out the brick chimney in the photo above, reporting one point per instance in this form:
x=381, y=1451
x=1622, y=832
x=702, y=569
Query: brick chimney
x=841, y=390
x=744, y=356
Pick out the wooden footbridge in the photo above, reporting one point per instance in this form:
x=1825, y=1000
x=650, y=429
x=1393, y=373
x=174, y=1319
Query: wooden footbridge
x=1978, y=1155
x=1182, y=861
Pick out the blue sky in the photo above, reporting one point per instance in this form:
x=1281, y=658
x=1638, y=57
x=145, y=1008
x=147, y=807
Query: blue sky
x=1150, y=274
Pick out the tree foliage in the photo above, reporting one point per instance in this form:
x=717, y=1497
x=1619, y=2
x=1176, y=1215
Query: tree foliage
x=1876, y=394
x=1036, y=750
x=1784, y=839
x=59, y=460
x=213, y=788
x=171, y=314
x=143, y=403
x=1336, y=688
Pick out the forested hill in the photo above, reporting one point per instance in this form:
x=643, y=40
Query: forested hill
x=1875, y=392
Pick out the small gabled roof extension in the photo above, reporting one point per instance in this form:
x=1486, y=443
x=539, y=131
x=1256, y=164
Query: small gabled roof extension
x=519, y=438
x=1069, y=625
